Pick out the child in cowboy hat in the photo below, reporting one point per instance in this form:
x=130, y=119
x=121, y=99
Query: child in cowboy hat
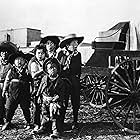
x=72, y=70
x=52, y=89
x=17, y=85
x=6, y=48
x=52, y=44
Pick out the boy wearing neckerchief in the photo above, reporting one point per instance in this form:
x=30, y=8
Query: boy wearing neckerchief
x=17, y=85
x=6, y=49
x=71, y=63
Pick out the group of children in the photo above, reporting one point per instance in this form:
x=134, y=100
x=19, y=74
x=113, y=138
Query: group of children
x=53, y=77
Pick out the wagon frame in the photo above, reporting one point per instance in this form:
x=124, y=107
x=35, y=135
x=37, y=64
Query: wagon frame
x=115, y=88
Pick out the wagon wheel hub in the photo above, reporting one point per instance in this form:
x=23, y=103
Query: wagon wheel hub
x=134, y=96
x=94, y=92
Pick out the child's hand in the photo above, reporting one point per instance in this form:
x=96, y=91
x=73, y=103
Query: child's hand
x=55, y=98
x=49, y=99
x=5, y=94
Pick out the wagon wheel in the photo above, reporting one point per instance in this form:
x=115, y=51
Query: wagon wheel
x=123, y=88
x=93, y=90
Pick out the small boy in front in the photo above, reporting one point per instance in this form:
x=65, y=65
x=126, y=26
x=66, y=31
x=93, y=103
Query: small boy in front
x=52, y=90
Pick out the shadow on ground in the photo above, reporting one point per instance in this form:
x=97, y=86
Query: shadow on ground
x=93, y=130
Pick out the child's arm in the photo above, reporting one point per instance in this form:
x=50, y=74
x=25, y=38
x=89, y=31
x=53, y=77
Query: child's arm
x=34, y=70
x=6, y=83
x=60, y=91
x=55, y=98
x=39, y=91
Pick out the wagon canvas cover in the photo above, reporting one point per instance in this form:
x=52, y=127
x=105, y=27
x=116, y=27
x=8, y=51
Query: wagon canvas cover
x=127, y=32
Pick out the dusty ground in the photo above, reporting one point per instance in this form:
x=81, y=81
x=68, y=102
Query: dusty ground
x=91, y=127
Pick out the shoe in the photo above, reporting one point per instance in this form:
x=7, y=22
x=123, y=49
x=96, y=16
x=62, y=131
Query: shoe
x=55, y=135
x=27, y=126
x=5, y=126
x=75, y=127
x=41, y=130
x=36, y=128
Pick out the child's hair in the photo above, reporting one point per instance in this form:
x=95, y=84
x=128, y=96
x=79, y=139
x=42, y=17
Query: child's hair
x=51, y=61
x=38, y=47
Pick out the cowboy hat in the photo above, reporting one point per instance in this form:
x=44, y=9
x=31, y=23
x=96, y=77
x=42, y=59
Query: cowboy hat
x=13, y=56
x=8, y=46
x=54, y=39
x=68, y=39
x=54, y=61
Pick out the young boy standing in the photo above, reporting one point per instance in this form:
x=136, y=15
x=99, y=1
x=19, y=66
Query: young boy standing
x=6, y=49
x=17, y=85
x=72, y=70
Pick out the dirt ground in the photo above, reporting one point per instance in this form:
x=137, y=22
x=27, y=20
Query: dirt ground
x=92, y=126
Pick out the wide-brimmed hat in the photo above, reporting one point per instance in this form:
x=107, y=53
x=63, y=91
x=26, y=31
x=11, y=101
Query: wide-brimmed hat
x=8, y=46
x=68, y=39
x=29, y=56
x=54, y=39
x=13, y=56
x=51, y=60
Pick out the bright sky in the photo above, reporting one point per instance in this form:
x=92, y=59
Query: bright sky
x=61, y=17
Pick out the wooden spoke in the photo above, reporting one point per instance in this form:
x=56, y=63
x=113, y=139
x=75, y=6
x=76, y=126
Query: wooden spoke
x=113, y=93
x=127, y=113
x=102, y=97
x=120, y=87
x=118, y=102
x=122, y=80
x=138, y=84
x=134, y=119
x=89, y=93
x=138, y=107
x=122, y=108
x=129, y=79
x=134, y=73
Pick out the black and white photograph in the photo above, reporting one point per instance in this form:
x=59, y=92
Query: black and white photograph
x=69, y=70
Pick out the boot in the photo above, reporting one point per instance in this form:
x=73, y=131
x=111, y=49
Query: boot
x=5, y=126
x=41, y=130
x=36, y=128
x=75, y=127
x=55, y=135
x=27, y=126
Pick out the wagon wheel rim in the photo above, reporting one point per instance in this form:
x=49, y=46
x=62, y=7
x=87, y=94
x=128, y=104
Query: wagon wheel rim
x=95, y=91
x=123, y=88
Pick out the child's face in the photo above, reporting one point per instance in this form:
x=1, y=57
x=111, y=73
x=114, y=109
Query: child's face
x=49, y=44
x=19, y=62
x=50, y=47
x=52, y=70
x=40, y=55
x=4, y=54
x=73, y=46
